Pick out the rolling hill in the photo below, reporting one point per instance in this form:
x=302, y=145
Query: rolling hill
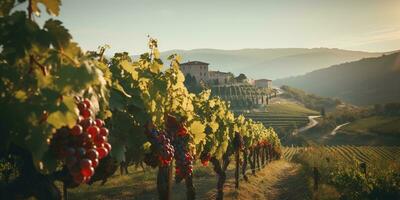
x=363, y=82
x=270, y=63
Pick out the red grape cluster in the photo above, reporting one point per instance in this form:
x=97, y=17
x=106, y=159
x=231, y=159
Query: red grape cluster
x=82, y=146
x=205, y=158
x=162, y=147
x=183, y=158
x=263, y=143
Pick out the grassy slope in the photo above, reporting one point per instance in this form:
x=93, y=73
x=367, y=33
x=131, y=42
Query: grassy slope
x=364, y=82
x=278, y=180
x=376, y=124
x=142, y=185
x=375, y=131
x=289, y=108
x=377, y=158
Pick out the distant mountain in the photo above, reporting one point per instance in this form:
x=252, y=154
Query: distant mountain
x=363, y=82
x=270, y=63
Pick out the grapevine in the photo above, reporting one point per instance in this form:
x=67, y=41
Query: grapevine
x=150, y=113
x=162, y=148
x=82, y=146
x=183, y=157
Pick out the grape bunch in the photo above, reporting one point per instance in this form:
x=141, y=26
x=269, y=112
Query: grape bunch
x=183, y=158
x=205, y=158
x=162, y=149
x=82, y=146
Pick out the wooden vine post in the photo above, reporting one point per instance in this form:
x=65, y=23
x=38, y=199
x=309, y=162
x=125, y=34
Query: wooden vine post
x=237, y=146
x=170, y=174
x=258, y=158
x=190, y=190
x=363, y=168
x=164, y=182
x=244, y=165
x=262, y=156
x=237, y=159
x=65, y=191
x=220, y=170
x=253, y=161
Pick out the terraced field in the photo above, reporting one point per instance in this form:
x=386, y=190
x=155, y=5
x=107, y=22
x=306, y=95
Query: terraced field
x=349, y=153
x=243, y=96
x=278, y=121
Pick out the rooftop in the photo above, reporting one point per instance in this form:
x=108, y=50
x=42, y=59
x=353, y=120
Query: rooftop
x=263, y=79
x=194, y=63
x=218, y=72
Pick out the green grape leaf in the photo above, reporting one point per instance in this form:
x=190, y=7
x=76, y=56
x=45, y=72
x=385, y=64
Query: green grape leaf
x=118, y=152
x=156, y=66
x=180, y=78
x=44, y=81
x=156, y=53
x=119, y=88
x=214, y=126
x=76, y=78
x=59, y=119
x=170, y=57
x=52, y=6
x=129, y=67
x=197, y=129
x=72, y=50
x=146, y=147
x=6, y=6
x=49, y=161
x=21, y=95
x=69, y=102
x=58, y=34
x=17, y=36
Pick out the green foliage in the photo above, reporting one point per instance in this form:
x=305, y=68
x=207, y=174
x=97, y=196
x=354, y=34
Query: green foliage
x=363, y=82
x=390, y=109
x=310, y=101
x=41, y=71
x=192, y=85
x=341, y=169
x=221, y=126
x=52, y=6
x=353, y=184
x=242, y=96
x=241, y=78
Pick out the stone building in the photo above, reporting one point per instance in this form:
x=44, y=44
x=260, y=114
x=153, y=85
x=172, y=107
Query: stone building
x=219, y=78
x=263, y=83
x=197, y=69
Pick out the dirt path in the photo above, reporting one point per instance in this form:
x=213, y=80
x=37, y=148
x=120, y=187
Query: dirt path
x=280, y=180
x=338, y=127
x=310, y=125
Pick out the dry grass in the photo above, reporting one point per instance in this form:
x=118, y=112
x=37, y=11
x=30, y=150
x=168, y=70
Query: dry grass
x=278, y=180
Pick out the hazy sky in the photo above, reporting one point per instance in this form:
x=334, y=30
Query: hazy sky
x=368, y=25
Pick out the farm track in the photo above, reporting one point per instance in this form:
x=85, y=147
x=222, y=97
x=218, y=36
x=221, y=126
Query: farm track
x=278, y=180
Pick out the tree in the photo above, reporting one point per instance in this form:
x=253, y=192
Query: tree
x=323, y=114
x=192, y=85
x=241, y=78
